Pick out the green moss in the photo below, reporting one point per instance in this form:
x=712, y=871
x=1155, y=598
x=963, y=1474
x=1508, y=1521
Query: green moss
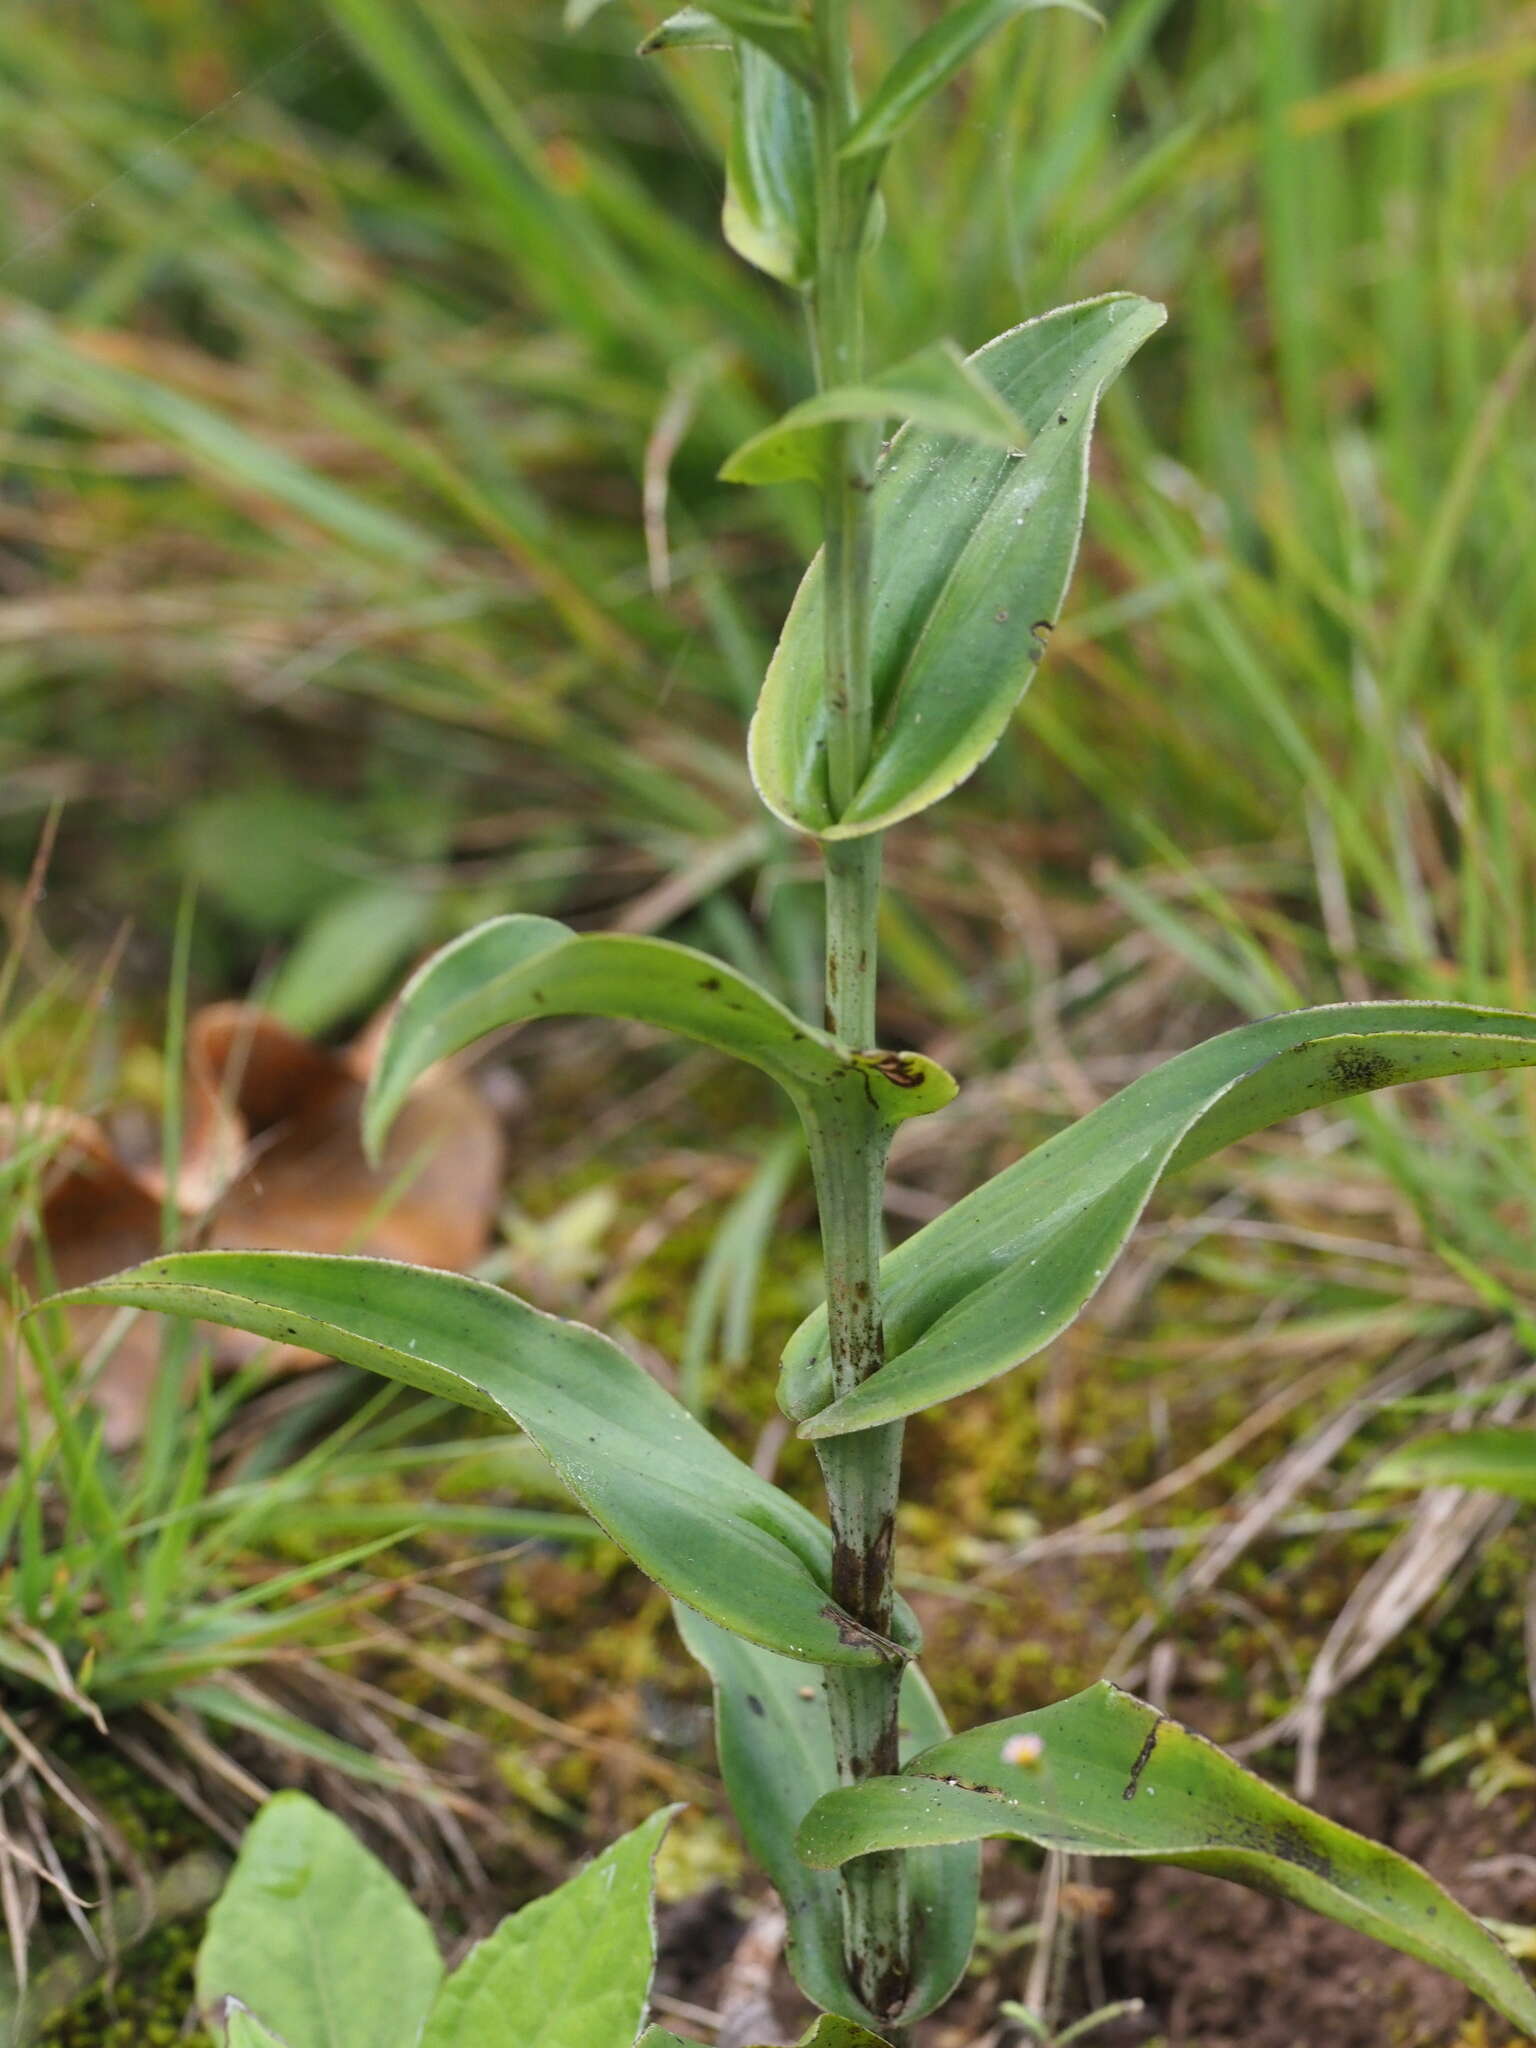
x=147, y=2007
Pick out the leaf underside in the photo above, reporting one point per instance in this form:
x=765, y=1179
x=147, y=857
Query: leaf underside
x=1103, y=1774
x=996, y=1278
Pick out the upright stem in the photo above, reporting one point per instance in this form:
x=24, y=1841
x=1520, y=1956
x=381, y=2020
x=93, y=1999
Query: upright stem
x=862, y=1472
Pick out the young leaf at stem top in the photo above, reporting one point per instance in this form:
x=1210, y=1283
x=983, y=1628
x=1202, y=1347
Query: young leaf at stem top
x=973, y=549
x=992, y=1281
x=1104, y=1774
x=703, y=1525
x=515, y=968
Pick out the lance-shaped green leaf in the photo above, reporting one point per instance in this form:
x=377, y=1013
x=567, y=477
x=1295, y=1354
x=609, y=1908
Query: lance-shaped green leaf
x=571, y=1970
x=703, y=1525
x=932, y=60
x=773, y=1736
x=769, y=216
x=1103, y=1774
x=973, y=549
x=299, y=1930
x=936, y=388
x=1008, y=1268
x=1491, y=1460
x=515, y=968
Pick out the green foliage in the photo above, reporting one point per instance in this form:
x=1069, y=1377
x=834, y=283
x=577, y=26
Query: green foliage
x=1103, y=1774
x=932, y=60
x=973, y=549
x=777, y=1756
x=515, y=968
x=300, y=1932
x=243, y=2030
x=1491, y=1460
x=1013, y=1264
x=315, y=1936
x=902, y=664
x=937, y=388
x=701, y=1523
x=572, y=1970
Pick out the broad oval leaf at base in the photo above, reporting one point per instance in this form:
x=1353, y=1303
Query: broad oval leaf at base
x=1104, y=1774
x=298, y=1931
x=570, y=1970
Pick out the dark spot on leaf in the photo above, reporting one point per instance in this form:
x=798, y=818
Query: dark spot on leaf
x=1001, y=618
x=710, y=982
x=1061, y=419
x=756, y=1705
x=1290, y=1844
x=1356, y=1071
x=899, y=1068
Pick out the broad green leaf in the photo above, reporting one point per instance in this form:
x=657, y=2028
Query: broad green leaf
x=514, y=968
x=996, y=1278
x=703, y=1525
x=973, y=551
x=1492, y=1460
x=769, y=217
x=773, y=1737
x=1103, y=1774
x=937, y=388
x=242, y=2029
x=572, y=1970
x=932, y=60
x=300, y=1929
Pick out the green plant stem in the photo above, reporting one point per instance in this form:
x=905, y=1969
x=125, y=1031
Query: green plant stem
x=862, y=1472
